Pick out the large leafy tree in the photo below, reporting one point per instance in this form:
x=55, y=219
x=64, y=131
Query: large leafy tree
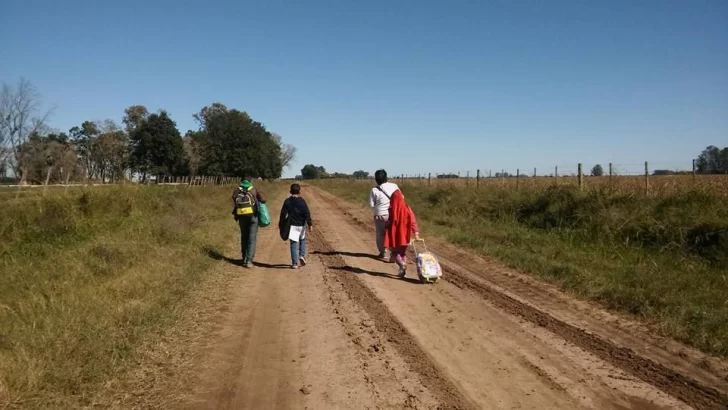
x=84, y=138
x=192, y=145
x=47, y=158
x=134, y=117
x=157, y=147
x=102, y=149
x=112, y=152
x=713, y=160
x=230, y=143
x=311, y=171
x=597, y=171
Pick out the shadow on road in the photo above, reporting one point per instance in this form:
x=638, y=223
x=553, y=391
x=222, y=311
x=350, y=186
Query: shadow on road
x=352, y=254
x=356, y=270
x=214, y=254
x=273, y=266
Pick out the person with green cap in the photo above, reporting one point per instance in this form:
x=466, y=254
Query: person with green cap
x=245, y=210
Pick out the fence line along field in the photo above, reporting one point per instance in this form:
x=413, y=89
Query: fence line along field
x=16, y=191
x=650, y=184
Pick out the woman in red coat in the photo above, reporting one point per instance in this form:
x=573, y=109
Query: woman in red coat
x=401, y=225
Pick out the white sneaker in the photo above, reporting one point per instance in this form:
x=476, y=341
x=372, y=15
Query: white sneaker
x=303, y=261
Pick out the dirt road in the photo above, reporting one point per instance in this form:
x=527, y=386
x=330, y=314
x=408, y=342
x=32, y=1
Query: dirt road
x=345, y=333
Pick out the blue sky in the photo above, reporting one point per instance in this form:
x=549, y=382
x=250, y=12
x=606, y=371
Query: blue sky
x=413, y=87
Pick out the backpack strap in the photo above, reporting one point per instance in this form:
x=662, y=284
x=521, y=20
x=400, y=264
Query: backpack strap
x=382, y=191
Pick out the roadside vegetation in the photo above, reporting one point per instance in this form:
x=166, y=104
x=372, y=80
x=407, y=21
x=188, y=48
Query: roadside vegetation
x=663, y=258
x=93, y=277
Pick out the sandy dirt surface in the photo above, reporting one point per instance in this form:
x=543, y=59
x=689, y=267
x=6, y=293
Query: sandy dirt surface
x=345, y=333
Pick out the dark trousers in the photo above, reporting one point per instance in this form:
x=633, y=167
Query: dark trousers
x=248, y=236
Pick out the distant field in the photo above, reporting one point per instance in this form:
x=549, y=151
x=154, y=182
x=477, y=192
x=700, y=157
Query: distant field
x=657, y=185
x=661, y=257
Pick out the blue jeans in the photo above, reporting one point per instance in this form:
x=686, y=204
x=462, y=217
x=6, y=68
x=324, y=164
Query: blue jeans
x=297, y=251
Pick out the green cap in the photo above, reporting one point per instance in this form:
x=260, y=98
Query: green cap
x=246, y=184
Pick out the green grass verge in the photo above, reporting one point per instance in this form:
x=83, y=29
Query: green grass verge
x=663, y=260
x=91, y=276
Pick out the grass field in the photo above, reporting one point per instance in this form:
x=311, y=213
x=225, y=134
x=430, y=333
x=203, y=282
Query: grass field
x=91, y=278
x=653, y=185
x=662, y=258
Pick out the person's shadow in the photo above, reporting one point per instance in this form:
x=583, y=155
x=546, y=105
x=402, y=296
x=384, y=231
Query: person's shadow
x=214, y=254
x=354, y=269
x=342, y=253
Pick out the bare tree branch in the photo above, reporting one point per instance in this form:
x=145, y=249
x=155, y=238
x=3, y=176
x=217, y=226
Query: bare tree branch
x=288, y=152
x=19, y=120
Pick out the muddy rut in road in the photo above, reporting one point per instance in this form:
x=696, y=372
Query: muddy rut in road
x=345, y=332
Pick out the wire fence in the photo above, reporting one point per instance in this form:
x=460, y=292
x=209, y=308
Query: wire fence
x=650, y=178
x=12, y=189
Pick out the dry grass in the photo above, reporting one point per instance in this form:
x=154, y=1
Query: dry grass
x=654, y=185
x=96, y=283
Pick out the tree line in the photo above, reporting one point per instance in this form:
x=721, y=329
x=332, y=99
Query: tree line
x=227, y=142
x=311, y=171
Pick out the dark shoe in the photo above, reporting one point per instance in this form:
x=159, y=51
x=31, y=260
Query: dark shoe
x=402, y=271
x=303, y=261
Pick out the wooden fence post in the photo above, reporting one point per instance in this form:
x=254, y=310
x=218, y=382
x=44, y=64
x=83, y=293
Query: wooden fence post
x=693, y=171
x=611, y=175
x=581, y=178
x=556, y=175
x=518, y=178
x=429, y=179
x=647, y=178
x=477, y=179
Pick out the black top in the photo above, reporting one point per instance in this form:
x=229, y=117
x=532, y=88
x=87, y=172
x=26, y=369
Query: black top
x=296, y=209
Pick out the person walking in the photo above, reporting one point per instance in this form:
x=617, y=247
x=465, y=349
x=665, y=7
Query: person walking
x=401, y=226
x=295, y=209
x=379, y=199
x=246, y=200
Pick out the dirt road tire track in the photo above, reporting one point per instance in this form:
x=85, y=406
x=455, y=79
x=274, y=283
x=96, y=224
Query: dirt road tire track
x=677, y=384
x=669, y=381
x=396, y=334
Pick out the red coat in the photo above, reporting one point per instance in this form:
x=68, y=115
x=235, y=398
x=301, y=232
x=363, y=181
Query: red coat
x=402, y=222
